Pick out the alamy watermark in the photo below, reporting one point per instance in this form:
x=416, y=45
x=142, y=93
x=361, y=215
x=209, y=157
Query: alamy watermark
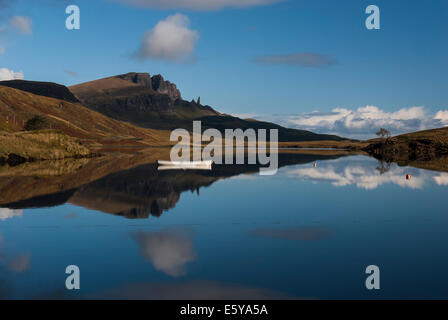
x=73, y=21
x=373, y=20
x=73, y=281
x=234, y=145
x=373, y=280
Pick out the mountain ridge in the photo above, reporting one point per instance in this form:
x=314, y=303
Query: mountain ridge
x=41, y=88
x=131, y=97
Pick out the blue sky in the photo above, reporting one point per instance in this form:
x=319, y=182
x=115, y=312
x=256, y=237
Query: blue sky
x=400, y=66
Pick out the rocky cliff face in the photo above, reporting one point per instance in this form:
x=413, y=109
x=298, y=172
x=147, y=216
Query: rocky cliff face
x=165, y=87
x=150, y=102
x=143, y=79
x=156, y=83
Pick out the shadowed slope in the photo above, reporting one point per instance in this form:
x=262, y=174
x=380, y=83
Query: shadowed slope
x=46, y=89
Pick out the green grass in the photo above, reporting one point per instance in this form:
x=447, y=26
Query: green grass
x=43, y=144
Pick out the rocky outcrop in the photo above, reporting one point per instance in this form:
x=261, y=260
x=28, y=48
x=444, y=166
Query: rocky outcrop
x=143, y=79
x=143, y=102
x=165, y=87
x=156, y=83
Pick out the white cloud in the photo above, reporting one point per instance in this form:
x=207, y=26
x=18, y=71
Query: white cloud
x=6, y=74
x=22, y=24
x=244, y=115
x=200, y=5
x=442, y=116
x=6, y=213
x=364, y=121
x=170, y=39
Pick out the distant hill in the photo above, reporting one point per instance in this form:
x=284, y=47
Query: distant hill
x=146, y=101
x=152, y=102
x=420, y=145
x=46, y=89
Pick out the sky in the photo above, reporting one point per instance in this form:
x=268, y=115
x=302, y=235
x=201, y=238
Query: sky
x=304, y=64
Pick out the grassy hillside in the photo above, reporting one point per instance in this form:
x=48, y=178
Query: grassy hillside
x=439, y=135
x=40, y=145
x=71, y=119
x=421, y=145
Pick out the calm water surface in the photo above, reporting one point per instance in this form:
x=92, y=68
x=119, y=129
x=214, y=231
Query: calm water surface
x=304, y=233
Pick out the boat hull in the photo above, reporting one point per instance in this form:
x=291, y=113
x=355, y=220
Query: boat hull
x=184, y=165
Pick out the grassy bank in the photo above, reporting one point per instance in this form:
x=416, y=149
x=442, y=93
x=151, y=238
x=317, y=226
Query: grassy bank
x=40, y=145
x=421, y=146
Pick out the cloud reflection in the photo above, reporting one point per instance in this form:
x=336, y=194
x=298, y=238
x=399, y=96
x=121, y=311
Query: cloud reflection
x=6, y=213
x=362, y=174
x=442, y=179
x=17, y=263
x=20, y=263
x=169, y=251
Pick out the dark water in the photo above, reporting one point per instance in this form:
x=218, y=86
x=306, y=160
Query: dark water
x=304, y=233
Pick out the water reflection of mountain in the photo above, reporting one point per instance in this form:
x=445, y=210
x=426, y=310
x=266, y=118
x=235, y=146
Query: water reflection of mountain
x=143, y=190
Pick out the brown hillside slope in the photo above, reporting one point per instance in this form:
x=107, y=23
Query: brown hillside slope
x=94, y=88
x=72, y=119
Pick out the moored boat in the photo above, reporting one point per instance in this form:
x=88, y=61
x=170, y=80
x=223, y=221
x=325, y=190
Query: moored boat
x=194, y=165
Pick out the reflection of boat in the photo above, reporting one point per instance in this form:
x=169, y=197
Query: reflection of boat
x=195, y=165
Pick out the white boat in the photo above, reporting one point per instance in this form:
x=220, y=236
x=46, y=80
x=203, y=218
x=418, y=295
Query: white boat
x=193, y=165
